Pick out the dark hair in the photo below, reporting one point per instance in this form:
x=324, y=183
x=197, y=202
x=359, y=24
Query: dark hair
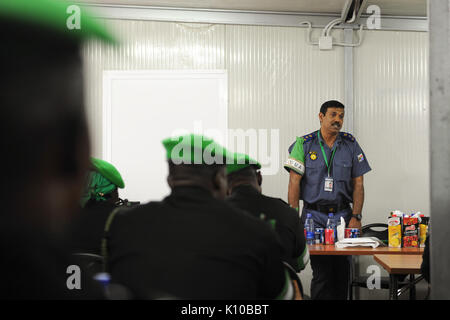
x=330, y=104
x=205, y=171
x=247, y=173
x=43, y=118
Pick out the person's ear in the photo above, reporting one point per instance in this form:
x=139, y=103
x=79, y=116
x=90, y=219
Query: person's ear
x=220, y=183
x=259, y=178
x=321, y=116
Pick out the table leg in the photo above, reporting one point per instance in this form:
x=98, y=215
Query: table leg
x=393, y=287
x=412, y=289
x=350, y=282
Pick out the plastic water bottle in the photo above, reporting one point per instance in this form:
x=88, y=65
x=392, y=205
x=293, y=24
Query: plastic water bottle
x=330, y=231
x=309, y=228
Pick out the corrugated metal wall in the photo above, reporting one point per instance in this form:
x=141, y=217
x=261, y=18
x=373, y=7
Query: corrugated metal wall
x=392, y=120
x=277, y=81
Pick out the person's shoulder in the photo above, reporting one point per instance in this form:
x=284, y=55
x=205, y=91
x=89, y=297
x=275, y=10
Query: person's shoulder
x=309, y=137
x=275, y=201
x=347, y=137
x=245, y=221
x=304, y=140
x=280, y=207
x=145, y=210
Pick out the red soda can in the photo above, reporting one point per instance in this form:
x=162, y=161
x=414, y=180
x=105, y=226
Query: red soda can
x=329, y=236
x=348, y=233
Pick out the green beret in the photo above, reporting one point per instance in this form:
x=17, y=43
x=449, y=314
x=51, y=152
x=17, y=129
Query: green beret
x=107, y=170
x=241, y=161
x=58, y=15
x=195, y=149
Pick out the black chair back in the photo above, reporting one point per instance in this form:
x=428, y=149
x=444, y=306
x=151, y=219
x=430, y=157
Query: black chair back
x=370, y=231
x=294, y=276
x=89, y=262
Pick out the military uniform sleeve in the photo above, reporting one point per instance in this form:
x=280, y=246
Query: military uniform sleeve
x=296, y=159
x=301, y=248
x=360, y=165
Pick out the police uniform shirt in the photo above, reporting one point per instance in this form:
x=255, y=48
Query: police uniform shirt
x=287, y=223
x=349, y=162
x=193, y=246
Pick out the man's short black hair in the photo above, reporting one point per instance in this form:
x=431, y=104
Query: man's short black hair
x=330, y=104
x=204, y=171
x=247, y=173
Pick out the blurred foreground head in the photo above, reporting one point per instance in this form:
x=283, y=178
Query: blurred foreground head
x=195, y=160
x=44, y=135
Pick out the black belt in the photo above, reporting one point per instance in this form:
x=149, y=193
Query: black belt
x=327, y=208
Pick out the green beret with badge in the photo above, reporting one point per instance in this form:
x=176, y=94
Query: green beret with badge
x=102, y=180
x=107, y=170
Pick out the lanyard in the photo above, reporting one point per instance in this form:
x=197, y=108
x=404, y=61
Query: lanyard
x=324, y=155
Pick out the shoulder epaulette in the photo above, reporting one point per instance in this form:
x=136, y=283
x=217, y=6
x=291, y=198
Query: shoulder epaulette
x=310, y=136
x=347, y=136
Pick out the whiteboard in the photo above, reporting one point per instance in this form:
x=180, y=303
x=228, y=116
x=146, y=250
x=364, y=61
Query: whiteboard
x=143, y=107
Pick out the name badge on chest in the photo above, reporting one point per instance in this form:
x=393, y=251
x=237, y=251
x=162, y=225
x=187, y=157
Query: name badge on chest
x=328, y=184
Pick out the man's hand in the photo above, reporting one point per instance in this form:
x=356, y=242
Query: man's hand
x=354, y=223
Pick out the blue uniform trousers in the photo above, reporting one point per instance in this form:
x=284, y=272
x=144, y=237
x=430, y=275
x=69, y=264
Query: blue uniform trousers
x=330, y=273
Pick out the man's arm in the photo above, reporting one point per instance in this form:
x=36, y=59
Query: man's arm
x=294, y=189
x=358, y=200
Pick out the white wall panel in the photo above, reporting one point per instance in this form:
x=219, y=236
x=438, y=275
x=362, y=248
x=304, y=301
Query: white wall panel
x=391, y=116
x=391, y=121
x=277, y=81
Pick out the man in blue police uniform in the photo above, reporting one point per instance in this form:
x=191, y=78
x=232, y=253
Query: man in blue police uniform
x=326, y=169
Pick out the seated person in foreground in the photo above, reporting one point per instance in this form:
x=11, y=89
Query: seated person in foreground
x=244, y=185
x=193, y=245
x=46, y=149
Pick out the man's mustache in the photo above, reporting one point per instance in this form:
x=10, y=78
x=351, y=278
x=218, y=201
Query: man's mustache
x=336, y=124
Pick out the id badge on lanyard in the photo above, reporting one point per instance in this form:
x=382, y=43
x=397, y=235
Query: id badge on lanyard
x=328, y=184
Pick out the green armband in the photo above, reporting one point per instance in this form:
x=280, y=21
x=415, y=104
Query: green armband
x=296, y=160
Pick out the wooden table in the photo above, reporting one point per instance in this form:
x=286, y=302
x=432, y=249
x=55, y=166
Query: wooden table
x=400, y=264
x=331, y=250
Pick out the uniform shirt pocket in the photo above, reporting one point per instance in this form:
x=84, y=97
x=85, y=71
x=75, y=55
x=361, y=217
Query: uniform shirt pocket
x=342, y=170
x=313, y=171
